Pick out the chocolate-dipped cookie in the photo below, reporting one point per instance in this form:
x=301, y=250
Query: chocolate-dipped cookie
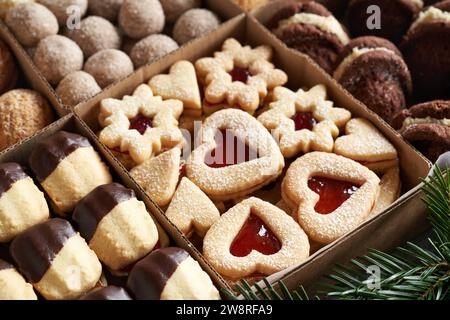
x=12, y=285
x=310, y=28
x=68, y=168
x=427, y=127
x=373, y=70
x=22, y=204
x=426, y=49
x=395, y=18
x=107, y=293
x=116, y=225
x=170, y=274
x=56, y=260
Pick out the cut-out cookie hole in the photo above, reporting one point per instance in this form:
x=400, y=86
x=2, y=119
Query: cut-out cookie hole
x=333, y=193
x=304, y=120
x=254, y=235
x=240, y=74
x=230, y=150
x=140, y=123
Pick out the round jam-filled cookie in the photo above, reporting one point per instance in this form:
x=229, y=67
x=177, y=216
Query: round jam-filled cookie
x=170, y=274
x=395, y=17
x=311, y=29
x=426, y=47
x=56, y=260
x=116, y=225
x=12, y=285
x=22, y=204
x=373, y=70
x=107, y=293
x=68, y=168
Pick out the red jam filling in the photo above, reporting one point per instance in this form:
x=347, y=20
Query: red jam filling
x=332, y=193
x=304, y=120
x=230, y=150
x=254, y=235
x=140, y=123
x=240, y=74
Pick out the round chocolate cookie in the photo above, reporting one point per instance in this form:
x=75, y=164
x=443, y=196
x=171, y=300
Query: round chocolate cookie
x=311, y=29
x=395, y=17
x=426, y=49
x=373, y=70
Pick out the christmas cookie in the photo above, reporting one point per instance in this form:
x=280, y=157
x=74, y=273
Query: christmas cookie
x=194, y=23
x=254, y=237
x=8, y=69
x=249, y=5
x=152, y=48
x=331, y=194
x=390, y=188
x=170, y=274
x=303, y=121
x=235, y=156
x=116, y=225
x=141, y=18
x=238, y=76
x=12, y=285
x=173, y=9
x=63, y=9
x=107, y=293
x=68, y=168
x=141, y=124
x=77, y=87
x=56, y=260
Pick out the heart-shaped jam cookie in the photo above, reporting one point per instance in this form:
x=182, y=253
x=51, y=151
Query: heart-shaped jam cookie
x=254, y=237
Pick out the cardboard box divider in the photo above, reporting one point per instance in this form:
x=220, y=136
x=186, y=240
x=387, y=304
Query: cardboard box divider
x=389, y=228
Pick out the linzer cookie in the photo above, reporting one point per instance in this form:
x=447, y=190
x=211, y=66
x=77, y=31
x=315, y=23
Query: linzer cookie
x=116, y=225
x=303, y=121
x=390, y=188
x=311, y=29
x=141, y=124
x=238, y=77
x=254, y=237
x=236, y=156
x=170, y=274
x=22, y=204
x=331, y=194
x=56, y=260
x=68, y=168
x=107, y=293
x=12, y=285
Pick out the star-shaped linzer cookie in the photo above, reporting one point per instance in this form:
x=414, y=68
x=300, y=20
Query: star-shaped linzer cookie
x=304, y=121
x=142, y=124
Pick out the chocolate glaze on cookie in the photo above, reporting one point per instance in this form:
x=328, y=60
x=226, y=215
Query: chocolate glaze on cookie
x=5, y=265
x=9, y=174
x=34, y=250
x=150, y=275
x=107, y=293
x=97, y=204
x=49, y=152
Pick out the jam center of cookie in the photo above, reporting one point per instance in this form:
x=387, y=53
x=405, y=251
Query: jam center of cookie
x=332, y=193
x=230, y=150
x=240, y=74
x=140, y=123
x=254, y=235
x=304, y=120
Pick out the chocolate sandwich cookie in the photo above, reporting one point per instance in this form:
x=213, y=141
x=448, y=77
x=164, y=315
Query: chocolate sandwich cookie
x=373, y=70
x=116, y=225
x=107, y=293
x=170, y=274
x=22, y=204
x=426, y=49
x=427, y=127
x=68, y=168
x=311, y=29
x=395, y=17
x=12, y=285
x=56, y=260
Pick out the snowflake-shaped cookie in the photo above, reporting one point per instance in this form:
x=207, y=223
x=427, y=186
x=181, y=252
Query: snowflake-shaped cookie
x=304, y=121
x=158, y=123
x=239, y=76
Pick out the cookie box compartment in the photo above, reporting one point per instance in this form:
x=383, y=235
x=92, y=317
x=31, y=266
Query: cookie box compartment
x=302, y=73
x=71, y=123
x=225, y=9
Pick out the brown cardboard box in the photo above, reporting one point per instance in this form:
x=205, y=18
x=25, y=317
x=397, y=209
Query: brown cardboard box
x=400, y=223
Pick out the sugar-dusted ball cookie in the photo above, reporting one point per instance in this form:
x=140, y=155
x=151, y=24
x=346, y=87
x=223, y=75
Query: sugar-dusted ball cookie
x=193, y=24
x=57, y=56
x=152, y=48
x=108, y=66
x=8, y=69
x=108, y=9
x=6, y=5
x=77, y=87
x=140, y=18
x=173, y=9
x=62, y=8
x=31, y=22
